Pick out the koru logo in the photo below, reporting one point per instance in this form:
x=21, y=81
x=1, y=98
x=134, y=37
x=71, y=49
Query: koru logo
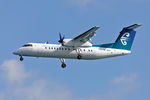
x=124, y=38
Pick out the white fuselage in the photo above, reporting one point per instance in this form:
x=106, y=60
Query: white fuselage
x=59, y=51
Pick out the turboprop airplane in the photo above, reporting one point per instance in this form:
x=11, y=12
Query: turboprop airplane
x=80, y=47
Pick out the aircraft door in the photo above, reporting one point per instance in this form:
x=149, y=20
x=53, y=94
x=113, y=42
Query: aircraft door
x=79, y=51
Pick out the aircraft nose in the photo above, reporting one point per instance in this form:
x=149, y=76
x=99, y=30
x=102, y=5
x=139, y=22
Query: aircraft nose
x=16, y=52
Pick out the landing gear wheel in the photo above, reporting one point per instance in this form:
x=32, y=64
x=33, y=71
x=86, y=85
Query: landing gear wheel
x=79, y=57
x=21, y=58
x=63, y=65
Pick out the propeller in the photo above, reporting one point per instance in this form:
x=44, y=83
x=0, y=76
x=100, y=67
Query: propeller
x=61, y=38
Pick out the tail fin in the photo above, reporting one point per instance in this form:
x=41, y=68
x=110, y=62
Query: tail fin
x=126, y=37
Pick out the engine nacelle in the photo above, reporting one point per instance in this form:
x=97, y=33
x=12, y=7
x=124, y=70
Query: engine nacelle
x=71, y=42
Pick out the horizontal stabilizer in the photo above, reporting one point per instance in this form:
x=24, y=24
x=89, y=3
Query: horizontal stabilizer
x=133, y=26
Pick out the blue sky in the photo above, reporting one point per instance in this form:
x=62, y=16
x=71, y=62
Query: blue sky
x=119, y=78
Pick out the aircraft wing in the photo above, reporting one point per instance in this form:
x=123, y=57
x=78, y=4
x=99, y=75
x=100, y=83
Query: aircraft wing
x=84, y=37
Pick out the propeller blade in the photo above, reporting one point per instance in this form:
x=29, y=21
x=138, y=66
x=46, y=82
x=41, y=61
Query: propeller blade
x=61, y=38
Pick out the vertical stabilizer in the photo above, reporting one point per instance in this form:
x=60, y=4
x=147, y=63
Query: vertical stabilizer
x=126, y=37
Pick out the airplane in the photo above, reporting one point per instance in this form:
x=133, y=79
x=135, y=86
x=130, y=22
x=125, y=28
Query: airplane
x=80, y=47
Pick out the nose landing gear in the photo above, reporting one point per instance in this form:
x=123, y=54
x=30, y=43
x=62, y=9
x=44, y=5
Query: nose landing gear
x=21, y=58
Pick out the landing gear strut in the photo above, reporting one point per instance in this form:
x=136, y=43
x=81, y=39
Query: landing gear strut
x=21, y=58
x=79, y=57
x=63, y=65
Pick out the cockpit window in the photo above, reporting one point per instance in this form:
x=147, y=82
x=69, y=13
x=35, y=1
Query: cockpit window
x=27, y=45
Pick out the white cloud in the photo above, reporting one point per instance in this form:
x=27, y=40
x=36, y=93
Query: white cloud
x=2, y=96
x=43, y=90
x=36, y=88
x=124, y=85
x=125, y=79
x=14, y=71
x=121, y=87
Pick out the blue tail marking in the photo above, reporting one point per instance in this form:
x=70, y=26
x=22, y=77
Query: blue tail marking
x=124, y=40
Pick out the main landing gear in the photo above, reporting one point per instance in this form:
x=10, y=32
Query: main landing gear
x=63, y=65
x=79, y=57
x=21, y=58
